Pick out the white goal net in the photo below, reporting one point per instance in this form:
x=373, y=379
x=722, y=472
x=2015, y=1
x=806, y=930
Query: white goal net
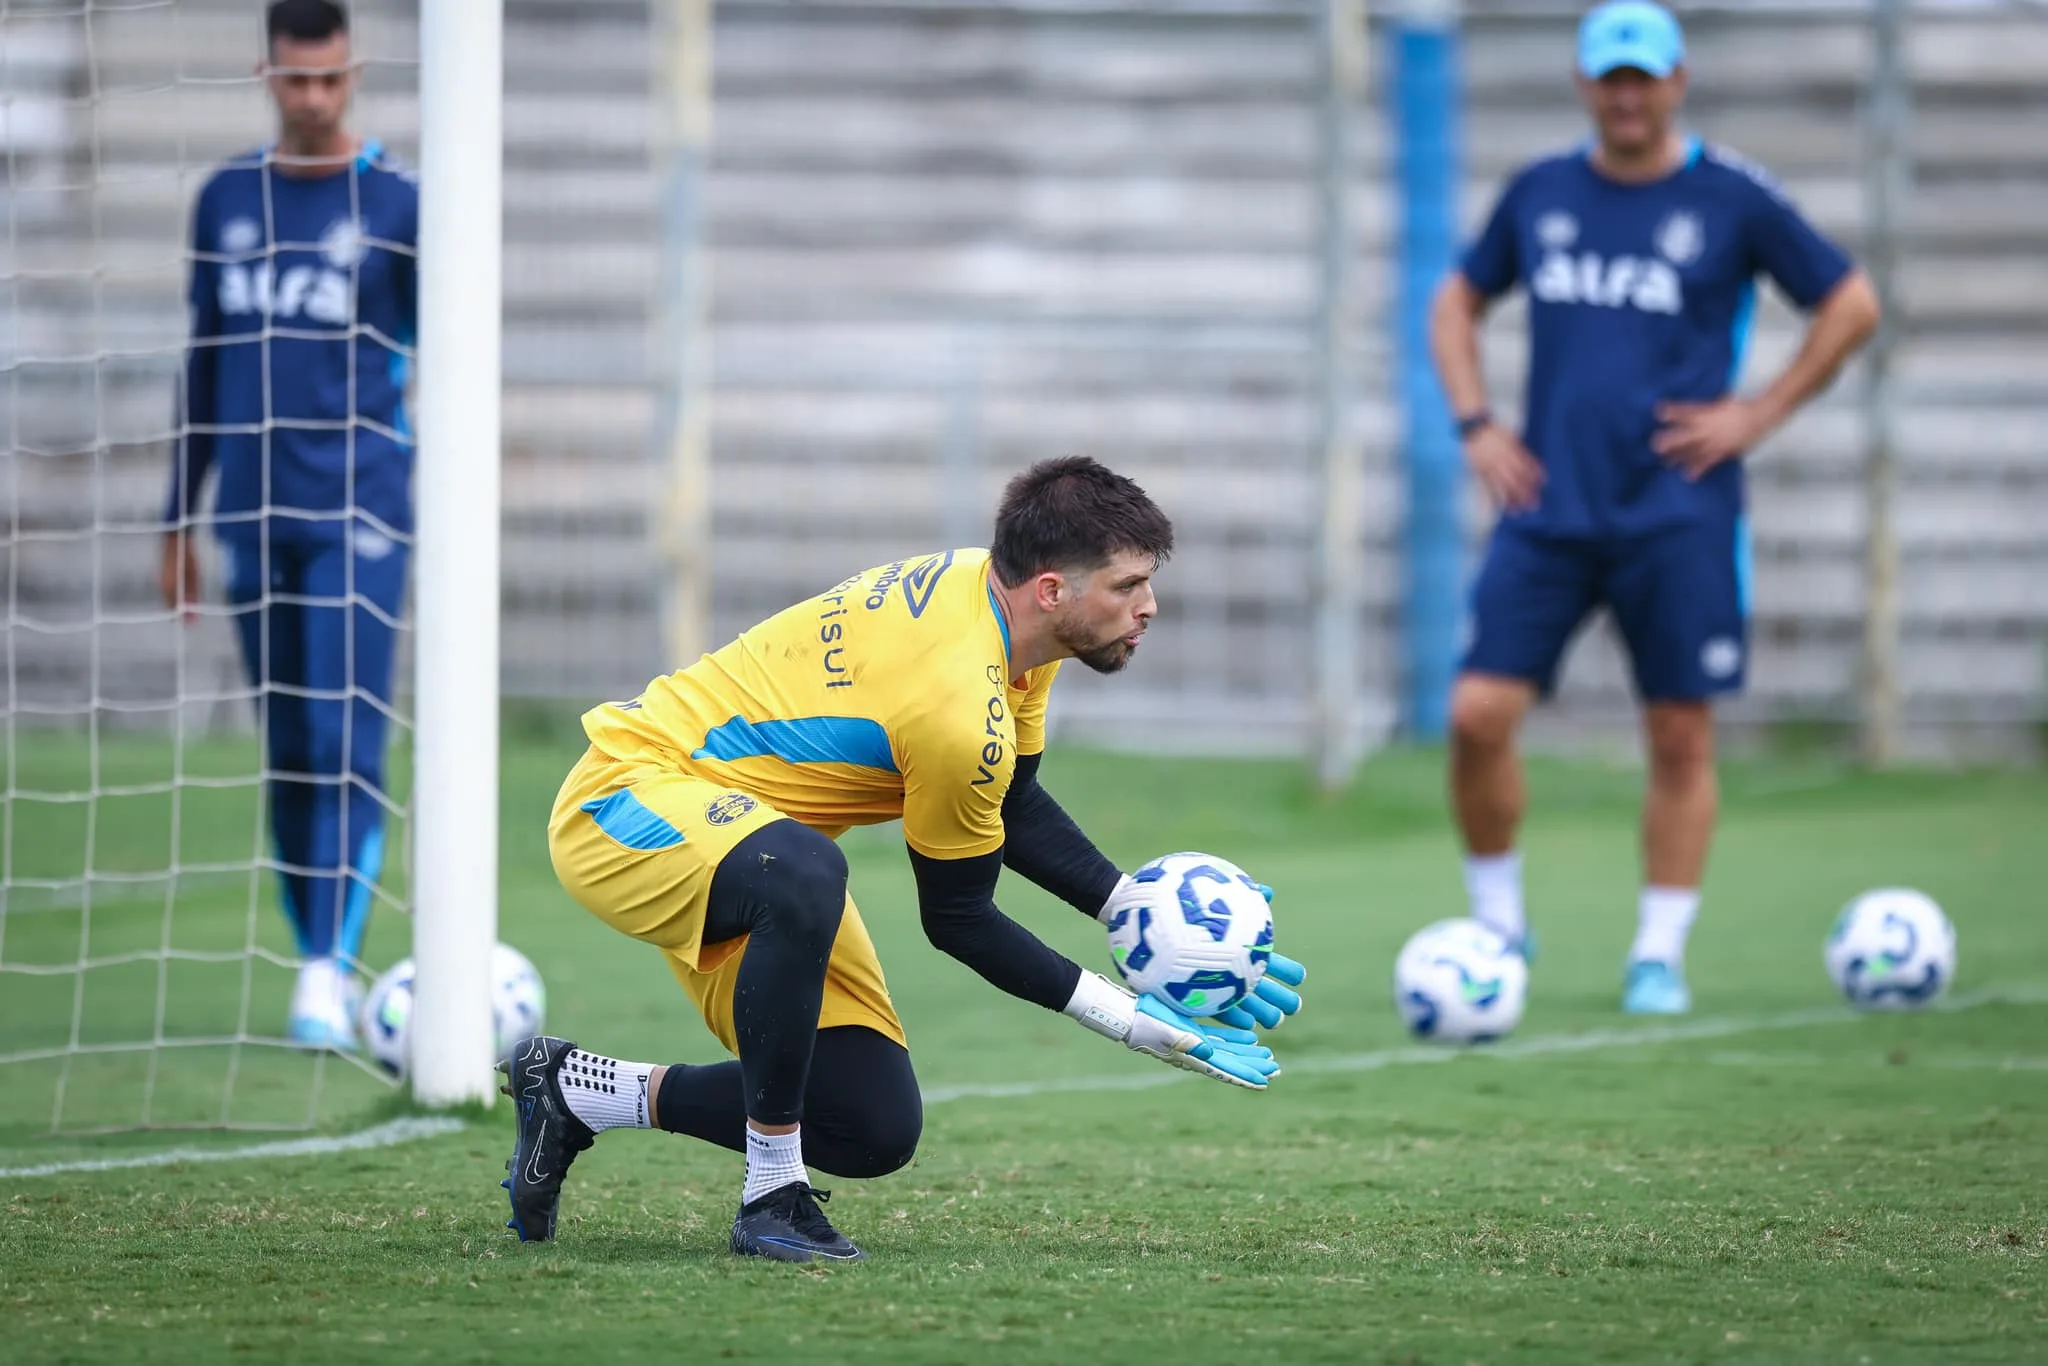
x=199, y=794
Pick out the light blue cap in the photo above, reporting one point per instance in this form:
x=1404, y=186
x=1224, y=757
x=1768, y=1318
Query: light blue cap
x=1630, y=33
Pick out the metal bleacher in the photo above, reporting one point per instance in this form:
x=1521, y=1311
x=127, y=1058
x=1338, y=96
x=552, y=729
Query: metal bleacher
x=946, y=240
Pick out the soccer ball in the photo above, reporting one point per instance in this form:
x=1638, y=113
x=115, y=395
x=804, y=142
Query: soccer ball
x=1193, y=930
x=383, y=1021
x=1892, y=949
x=1459, y=981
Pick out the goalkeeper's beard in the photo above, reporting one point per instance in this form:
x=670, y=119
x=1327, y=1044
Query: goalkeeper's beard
x=1103, y=656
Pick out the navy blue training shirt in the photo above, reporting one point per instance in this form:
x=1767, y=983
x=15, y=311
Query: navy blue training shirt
x=1638, y=295
x=304, y=300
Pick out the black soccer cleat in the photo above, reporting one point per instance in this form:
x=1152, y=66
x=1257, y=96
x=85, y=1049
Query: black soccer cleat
x=786, y=1225
x=549, y=1136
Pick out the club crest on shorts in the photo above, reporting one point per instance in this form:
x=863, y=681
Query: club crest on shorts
x=728, y=807
x=1681, y=238
x=1721, y=657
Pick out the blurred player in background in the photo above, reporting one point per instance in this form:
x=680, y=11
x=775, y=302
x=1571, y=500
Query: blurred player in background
x=302, y=296
x=1639, y=254
x=702, y=821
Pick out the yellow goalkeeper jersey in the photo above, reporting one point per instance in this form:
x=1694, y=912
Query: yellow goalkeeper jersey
x=888, y=695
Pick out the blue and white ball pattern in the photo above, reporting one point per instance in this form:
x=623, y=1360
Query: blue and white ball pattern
x=384, y=1019
x=1892, y=949
x=1459, y=981
x=1192, y=930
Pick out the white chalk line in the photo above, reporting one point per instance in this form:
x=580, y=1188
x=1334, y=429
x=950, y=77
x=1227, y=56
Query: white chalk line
x=408, y=1130
x=1543, y=1046
x=1938, y=1062
x=415, y=1128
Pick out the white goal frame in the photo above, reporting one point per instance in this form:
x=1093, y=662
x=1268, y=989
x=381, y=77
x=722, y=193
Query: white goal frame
x=455, y=783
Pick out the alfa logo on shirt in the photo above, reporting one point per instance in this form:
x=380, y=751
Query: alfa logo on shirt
x=1639, y=282
x=1650, y=284
x=321, y=293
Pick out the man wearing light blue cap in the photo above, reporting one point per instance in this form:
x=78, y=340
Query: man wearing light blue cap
x=1639, y=253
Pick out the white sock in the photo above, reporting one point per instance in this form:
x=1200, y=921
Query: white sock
x=604, y=1092
x=1493, y=882
x=773, y=1161
x=321, y=992
x=1663, y=919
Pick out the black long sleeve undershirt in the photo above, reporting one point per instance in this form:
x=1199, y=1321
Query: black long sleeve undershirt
x=1042, y=843
x=956, y=897
x=956, y=903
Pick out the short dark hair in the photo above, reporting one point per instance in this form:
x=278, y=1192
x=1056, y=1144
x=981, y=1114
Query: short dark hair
x=1073, y=513
x=304, y=21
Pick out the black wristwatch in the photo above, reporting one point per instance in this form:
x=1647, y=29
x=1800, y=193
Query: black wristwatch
x=1472, y=422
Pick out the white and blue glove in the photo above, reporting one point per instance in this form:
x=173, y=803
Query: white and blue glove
x=1146, y=1025
x=1271, y=1001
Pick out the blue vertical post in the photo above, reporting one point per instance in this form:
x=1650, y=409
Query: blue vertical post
x=1424, y=92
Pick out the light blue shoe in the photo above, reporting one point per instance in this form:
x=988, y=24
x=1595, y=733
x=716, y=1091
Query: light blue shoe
x=1654, y=988
x=313, y=1031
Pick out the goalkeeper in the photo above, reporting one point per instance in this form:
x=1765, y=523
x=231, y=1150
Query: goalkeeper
x=302, y=299
x=702, y=819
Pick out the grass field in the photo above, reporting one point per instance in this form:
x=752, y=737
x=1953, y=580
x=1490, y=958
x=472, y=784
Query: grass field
x=1771, y=1180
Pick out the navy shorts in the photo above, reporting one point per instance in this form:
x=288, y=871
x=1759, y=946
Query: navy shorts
x=1679, y=597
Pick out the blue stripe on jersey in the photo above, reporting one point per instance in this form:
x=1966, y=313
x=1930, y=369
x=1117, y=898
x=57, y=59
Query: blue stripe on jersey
x=805, y=740
x=625, y=819
x=1002, y=622
x=1745, y=325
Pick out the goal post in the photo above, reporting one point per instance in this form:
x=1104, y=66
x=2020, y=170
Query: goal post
x=455, y=920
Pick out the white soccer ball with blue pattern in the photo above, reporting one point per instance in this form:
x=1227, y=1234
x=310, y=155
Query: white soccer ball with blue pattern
x=384, y=1019
x=1459, y=981
x=1892, y=949
x=1193, y=930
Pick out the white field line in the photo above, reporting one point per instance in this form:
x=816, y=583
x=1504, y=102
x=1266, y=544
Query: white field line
x=1939, y=1062
x=408, y=1130
x=1542, y=1046
x=415, y=1128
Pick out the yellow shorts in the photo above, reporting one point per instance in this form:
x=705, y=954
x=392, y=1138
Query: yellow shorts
x=637, y=843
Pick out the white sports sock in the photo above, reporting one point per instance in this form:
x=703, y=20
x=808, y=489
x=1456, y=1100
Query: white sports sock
x=1493, y=882
x=321, y=992
x=1663, y=919
x=773, y=1161
x=604, y=1092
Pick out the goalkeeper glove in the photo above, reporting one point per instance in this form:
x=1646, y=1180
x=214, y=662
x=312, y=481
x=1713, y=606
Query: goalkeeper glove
x=1155, y=1029
x=1271, y=1001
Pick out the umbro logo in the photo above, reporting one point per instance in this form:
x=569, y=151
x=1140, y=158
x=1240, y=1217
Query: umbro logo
x=1557, y=229
x=920, y=581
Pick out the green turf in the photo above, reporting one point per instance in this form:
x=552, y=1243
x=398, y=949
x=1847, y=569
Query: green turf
x=1790, y=1183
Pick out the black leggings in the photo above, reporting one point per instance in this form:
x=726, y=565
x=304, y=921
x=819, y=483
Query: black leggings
x=861, y=1112
x=784, y=887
